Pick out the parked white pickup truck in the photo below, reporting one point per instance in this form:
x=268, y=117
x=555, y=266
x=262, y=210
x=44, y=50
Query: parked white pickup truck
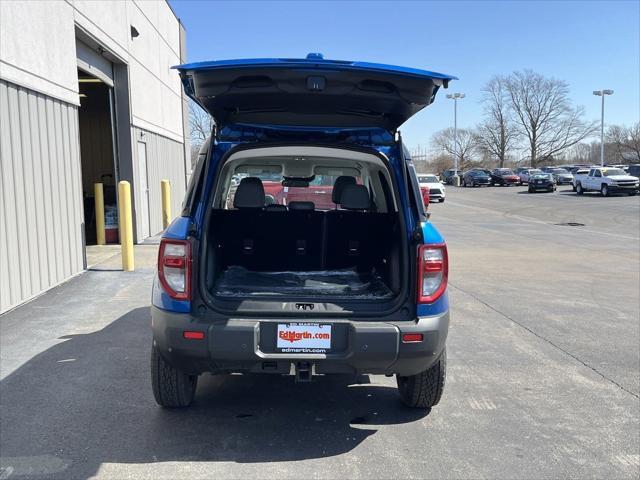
x=606, y=181
x=578, y=175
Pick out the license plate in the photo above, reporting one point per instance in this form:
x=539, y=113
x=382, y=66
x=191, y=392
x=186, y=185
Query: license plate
x=303, y=338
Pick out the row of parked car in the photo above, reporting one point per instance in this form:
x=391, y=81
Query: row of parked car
x=606, y=180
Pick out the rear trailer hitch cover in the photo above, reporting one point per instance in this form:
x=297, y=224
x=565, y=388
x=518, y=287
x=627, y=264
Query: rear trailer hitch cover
x=304, y=372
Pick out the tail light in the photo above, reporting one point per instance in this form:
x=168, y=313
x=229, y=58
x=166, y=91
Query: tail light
x=433, y=270
x=174, y=268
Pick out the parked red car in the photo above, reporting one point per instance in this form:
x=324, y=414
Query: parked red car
x=424, y=190
x=504, y=177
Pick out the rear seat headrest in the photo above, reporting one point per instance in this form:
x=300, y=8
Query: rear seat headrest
x=298, y=205
x=338, y=187
x=355, y=197
x=250, y=193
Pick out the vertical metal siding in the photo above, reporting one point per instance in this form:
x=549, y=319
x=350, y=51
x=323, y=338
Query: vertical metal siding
x=41, y=212
x=165, y=160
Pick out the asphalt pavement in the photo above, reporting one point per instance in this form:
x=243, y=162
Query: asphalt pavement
x=543, y=369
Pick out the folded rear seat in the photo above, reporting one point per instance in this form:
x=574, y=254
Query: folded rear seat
x=353, y=235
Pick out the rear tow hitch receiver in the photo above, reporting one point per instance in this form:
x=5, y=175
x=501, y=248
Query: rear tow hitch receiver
x=303, y=372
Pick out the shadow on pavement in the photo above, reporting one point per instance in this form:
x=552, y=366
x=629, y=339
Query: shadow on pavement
x=87, y=401
x=526, y=192
x=571, y=193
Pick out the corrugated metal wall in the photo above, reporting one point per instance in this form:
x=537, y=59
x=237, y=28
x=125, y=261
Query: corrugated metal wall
x=41, y=220
x=165, y=160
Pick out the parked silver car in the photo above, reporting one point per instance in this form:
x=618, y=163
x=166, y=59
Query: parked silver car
x=526, y=173
x=562, y=176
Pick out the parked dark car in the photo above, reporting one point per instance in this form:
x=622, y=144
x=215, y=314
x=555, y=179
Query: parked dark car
x=634, y=170
x=542, y=181
x=476, y=178
x=504, y=177
x=447, y=175
x=294, y=287
x=580, y=167
x=483, y=170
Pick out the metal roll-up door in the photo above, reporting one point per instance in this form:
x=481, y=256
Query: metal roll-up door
x=90, y=61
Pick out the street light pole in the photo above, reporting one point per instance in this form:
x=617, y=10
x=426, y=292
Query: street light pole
x=455, y=97
x=602, y=93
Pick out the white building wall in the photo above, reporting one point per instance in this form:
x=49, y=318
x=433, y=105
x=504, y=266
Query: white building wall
x=37, y=51
x=37, y=47
x=38, y=69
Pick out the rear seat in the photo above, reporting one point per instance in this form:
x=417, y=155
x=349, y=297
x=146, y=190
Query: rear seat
x=259, y=238
x=299, y=205
x=354, y=233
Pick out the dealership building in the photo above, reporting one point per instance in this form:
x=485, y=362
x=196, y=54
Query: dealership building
x=87, y=95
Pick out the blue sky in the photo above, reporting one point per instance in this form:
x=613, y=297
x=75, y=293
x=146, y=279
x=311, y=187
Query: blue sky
x=589, y=44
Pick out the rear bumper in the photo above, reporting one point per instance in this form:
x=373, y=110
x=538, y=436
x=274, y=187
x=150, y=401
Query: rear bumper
x=504, y=181
x=237, y=345
x=548, y=186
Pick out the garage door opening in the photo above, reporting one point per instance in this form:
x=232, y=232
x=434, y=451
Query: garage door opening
x=97, y=154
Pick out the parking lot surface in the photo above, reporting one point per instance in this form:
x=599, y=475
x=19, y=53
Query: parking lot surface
x=543, y=369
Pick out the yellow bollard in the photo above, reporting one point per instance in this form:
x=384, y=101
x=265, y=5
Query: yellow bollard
x=98, y=194
x=125, y=225
x=165, y=187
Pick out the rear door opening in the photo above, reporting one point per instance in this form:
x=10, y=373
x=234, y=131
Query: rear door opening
x=304, y=224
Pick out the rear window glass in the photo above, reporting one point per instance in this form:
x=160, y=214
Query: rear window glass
x=319, y=190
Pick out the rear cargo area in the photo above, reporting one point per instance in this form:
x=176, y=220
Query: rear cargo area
x=345, y=283
x=313, y=223
x=330, y=255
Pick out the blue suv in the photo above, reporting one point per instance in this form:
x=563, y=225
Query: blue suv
x=303, y=247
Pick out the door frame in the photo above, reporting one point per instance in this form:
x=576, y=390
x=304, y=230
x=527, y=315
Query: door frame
x=145, y=201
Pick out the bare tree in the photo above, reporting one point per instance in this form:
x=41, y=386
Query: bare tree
x=439, y=164
x=200, y=127
x=580, y=153
x=496, y=134
x=464, y=146
x=545, y=115
x=625, y=141
x=420, y=158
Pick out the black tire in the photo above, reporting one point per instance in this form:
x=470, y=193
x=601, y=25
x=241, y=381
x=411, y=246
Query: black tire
x=424, y=389
x=579, y=189
x=530, y=190
x=631, y=194
x=442, y=200
x=171, y=387
x=604, y=190
x=573, y=188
